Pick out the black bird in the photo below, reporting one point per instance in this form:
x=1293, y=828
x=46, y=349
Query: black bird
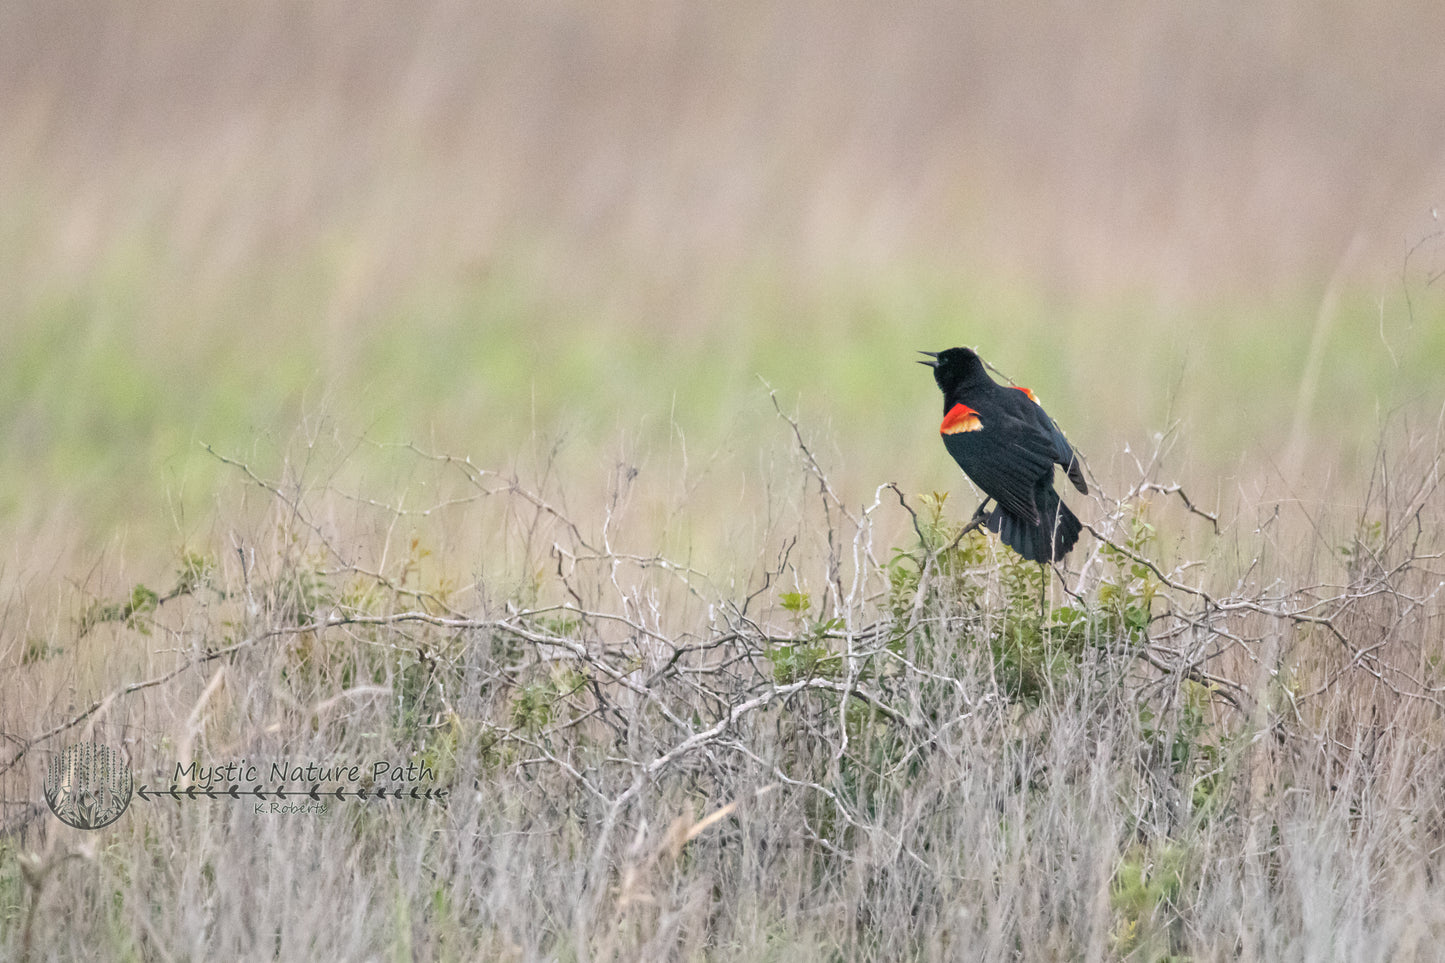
x=1008, y=445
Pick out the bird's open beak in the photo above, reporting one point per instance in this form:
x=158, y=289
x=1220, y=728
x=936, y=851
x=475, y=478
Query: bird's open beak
x=933, y=355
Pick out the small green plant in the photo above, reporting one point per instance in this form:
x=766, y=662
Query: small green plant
x=1127, y=594
x=362, y=595
x=38, y=649
x=302, y=591
x=561, y=625
x=133, y=611
x=953, y=557
x=535, y=704
x=1147, y=896
x=807, y=655
x=1361, y=554
x=532, y=704
x=795, y=602
x=1188, y=745
x=196, y=571
x=794, y=661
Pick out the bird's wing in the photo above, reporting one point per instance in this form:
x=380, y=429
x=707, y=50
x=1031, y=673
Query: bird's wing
x=1063, y=451
x=1006, y=456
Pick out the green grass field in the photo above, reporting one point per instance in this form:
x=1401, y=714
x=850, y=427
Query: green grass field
x=528, y=391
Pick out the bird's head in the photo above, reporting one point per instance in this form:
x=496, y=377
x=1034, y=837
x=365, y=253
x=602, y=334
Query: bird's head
x=954, y=368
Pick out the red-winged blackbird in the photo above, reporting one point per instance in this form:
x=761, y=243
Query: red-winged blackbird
x=1008, y=445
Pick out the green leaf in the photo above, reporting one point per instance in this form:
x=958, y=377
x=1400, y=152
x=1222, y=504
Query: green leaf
x=795, y=602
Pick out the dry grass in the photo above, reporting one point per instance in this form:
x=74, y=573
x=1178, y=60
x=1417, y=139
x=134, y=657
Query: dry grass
x=844, y=753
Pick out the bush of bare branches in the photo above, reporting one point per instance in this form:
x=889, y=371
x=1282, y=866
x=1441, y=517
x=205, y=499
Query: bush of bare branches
x=887, y=739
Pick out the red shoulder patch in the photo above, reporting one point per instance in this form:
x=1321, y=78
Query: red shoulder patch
x=1032, y=397
x=960, y=418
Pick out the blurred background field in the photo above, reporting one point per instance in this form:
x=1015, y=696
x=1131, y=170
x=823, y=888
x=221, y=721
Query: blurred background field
x=502, y=229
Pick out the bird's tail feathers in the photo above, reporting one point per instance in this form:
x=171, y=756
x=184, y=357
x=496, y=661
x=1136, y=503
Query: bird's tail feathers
x=1046, y=540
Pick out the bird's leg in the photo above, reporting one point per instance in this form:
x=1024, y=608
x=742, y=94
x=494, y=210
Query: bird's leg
x=1064, y=584
x=1043, y=588
x=979, y=515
